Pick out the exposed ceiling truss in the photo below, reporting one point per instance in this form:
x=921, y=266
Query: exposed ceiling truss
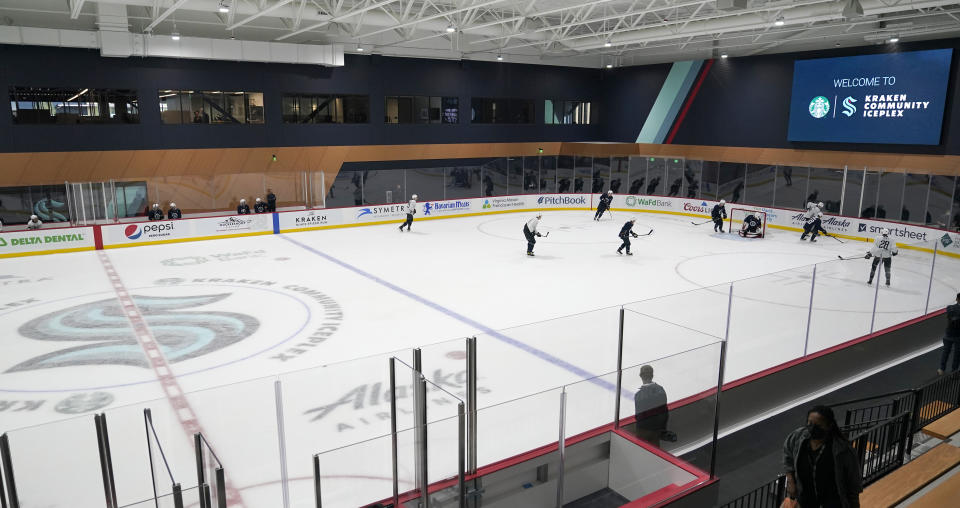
x=560, y=32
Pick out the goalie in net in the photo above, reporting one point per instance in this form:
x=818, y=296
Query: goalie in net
x=753, y=223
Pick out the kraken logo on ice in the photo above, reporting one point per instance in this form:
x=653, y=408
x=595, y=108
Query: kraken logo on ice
x=103, y=335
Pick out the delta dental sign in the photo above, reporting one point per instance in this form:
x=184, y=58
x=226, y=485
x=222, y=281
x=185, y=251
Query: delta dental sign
x=18, y=243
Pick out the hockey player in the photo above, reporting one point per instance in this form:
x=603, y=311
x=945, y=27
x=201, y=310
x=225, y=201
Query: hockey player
x=718, y=214
x=173, y=212
x=750, y=227
x=884, y=248
x=411, y=209
x=604, y=204
x=155, y=213
x=813, y=226
x=625, y=233
x=34, y=222
x=259, y=206
x=243, y=208
x=812, y=210
x=530, y=231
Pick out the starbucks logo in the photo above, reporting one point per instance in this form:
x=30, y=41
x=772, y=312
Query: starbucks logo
x=819, y=107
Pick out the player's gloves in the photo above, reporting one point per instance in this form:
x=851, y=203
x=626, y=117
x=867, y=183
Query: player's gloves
x=867, y=256
x=538, y=234
x=895, y=253
x=634, y=235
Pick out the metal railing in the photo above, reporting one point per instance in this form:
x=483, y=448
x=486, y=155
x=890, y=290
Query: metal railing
x=883, y=447
x=768, y=495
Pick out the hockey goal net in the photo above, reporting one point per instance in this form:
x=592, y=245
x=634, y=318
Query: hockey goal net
x=738, y=217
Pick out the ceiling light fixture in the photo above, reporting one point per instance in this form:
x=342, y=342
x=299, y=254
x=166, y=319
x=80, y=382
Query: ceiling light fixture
x=779, y=21
x=607, y=44
x=175, y=36
x=360, y=49
x=894, y=40
x=724, y=56
x=609, y=66
x=451, y=29
x=499, y=57
x=224, y=8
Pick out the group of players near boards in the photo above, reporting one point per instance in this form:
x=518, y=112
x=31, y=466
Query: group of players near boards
x=882, y=252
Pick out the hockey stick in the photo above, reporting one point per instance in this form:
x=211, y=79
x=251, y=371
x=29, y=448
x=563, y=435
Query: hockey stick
x=646, y=234
x=841, y=258
x=701, y=223
x=835, y=238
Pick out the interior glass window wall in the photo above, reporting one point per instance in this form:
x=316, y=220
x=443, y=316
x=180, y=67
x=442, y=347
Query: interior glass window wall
x=656, y=173
x=825, y=186
x=915, y=190
x=462, y=182
x=346, y=190
x=761, y=184
x=851, y=193
x=731, y=181
x=48, y=105
x=638, y=175
x=548, y=174
x=583, y=175
x=673, y=185
x=601, y=175
x=692, y=174
x=619, y=174
x=709, y=187
x=565, y=174
x=871, y=185
x=940, y=200
x=531, y=175
x=426, y=183
x=515, y=172
x=890, y=195
x=382, y=187
x=495, y=179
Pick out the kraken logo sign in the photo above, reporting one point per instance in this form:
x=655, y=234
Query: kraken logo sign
x=99, y=332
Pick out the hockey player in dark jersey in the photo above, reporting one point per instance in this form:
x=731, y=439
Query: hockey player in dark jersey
x=604, y=204
x=173, y=212
x=156, y=213
x=243, y=208
x=814, y=226
x=718, y=214
x=625, y=233
x=259, y=206
x=750, y=227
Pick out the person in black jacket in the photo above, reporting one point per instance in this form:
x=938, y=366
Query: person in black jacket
x=259, y=206
x=814, y=226
x=951, y=338
x=625, y=233
x=650, y=405
x=243, y=208
x=173, y=212
x=821, y=467
x=271, y=201
x=155, y=213
x=718, y=214
x=603, y=205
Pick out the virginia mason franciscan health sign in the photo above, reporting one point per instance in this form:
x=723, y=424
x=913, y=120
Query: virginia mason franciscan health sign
x=887, y=98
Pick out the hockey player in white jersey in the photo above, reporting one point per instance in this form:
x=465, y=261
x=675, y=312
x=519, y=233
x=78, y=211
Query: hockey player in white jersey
x=530, y=232
x=813, y=209
x=411, y=209
x=884, y=248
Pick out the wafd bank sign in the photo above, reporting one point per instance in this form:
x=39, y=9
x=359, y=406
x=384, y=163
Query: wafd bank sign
x=889, y=98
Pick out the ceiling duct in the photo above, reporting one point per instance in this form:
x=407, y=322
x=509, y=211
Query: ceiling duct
x=852, y=9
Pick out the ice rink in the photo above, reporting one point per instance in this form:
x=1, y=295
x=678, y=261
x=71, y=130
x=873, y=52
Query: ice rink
x=229, y=318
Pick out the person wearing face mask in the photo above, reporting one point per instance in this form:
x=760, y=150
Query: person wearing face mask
x=821, y=467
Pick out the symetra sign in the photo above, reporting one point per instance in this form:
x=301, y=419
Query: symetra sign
x=886, y=98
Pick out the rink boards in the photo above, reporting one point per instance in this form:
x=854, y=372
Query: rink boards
x=25, y=243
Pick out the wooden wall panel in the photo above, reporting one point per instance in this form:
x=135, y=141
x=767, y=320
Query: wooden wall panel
x=57, y=167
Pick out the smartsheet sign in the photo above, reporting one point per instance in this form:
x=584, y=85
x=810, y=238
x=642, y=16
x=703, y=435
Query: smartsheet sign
x=890, y=98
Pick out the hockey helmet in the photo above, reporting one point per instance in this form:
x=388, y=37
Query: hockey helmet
x=820, y=204
x=610, y=191
x=819, y=215
x=242, y=201
x=156, y=205
x=414, y=196
x=258, y=200
x=539, y=214
x=885, y=232
x=173, y=205
x=633, y=219
x=33, y=217
x=723, y=201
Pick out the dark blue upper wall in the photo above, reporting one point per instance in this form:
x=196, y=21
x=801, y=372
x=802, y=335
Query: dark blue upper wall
x=746, y=101
x=371, y=75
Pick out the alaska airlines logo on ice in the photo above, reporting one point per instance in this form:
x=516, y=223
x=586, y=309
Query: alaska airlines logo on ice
x=819, y=107
x=106, y=338
x=848, y=108
x=561, y=200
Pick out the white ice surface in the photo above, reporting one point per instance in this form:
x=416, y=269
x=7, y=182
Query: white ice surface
x=556, y=317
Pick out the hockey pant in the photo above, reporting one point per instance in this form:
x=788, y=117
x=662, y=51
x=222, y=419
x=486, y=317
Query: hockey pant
x=531, y=238
x=807, y=230
x=600, y=211
x=626, y=243
x=886, y=268
x=718, y=224
x=408, y=222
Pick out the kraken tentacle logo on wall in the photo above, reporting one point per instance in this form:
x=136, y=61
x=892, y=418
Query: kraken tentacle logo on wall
x=106, y=337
